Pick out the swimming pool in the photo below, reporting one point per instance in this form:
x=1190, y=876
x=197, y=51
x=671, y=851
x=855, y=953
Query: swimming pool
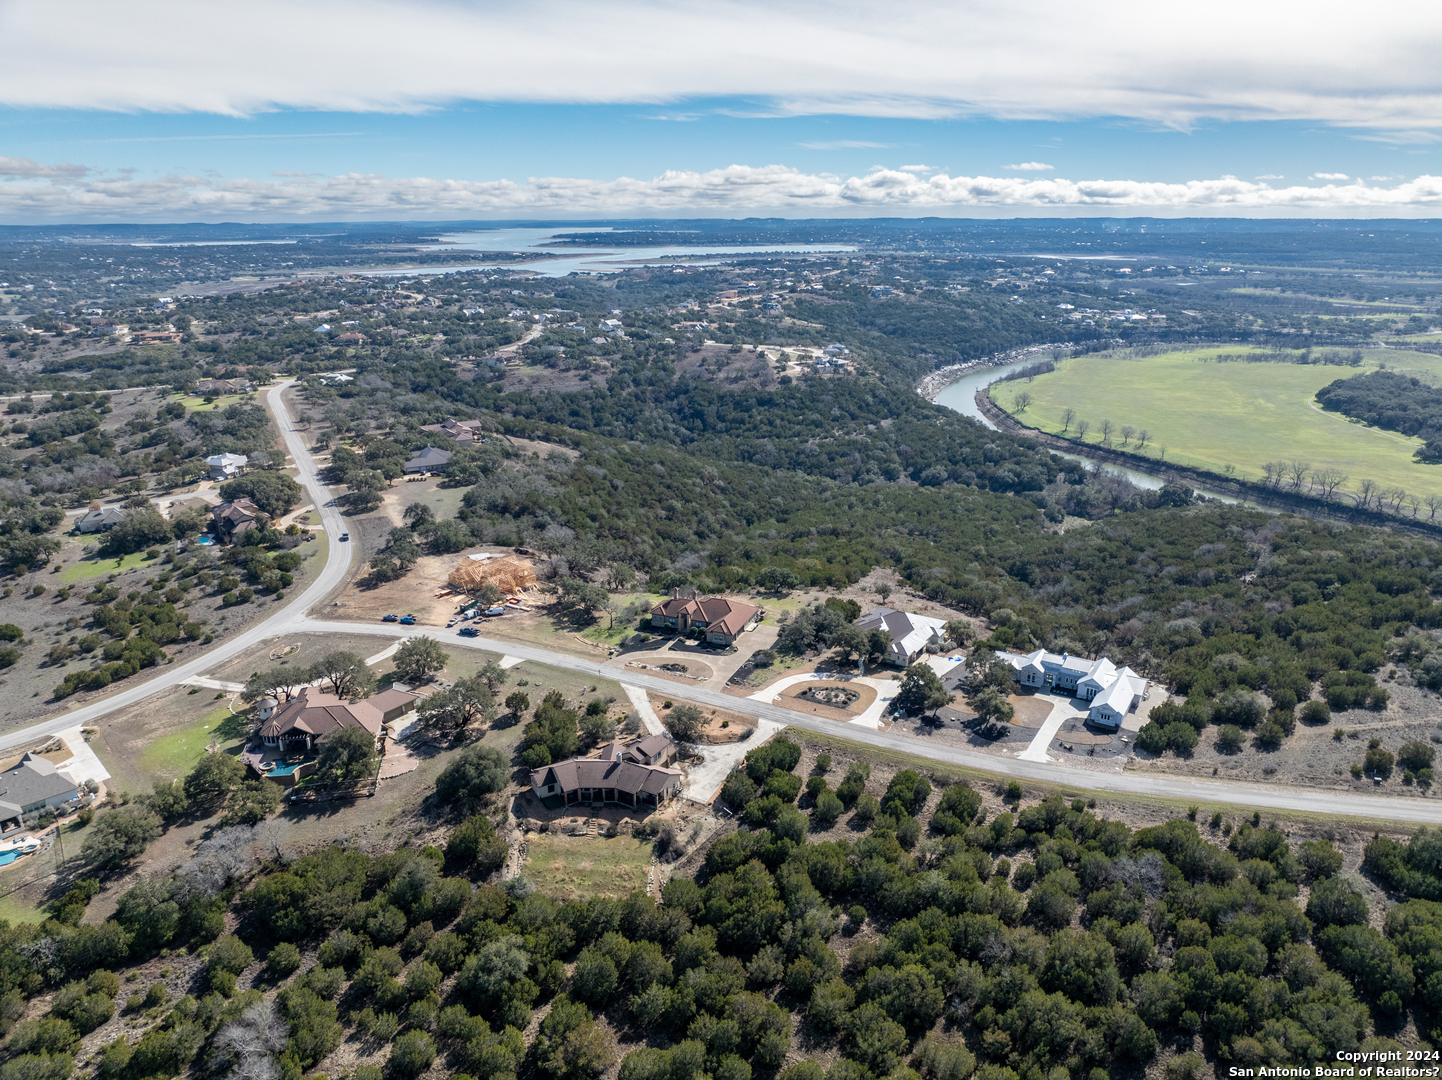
x=8, y=857
x=284, y=768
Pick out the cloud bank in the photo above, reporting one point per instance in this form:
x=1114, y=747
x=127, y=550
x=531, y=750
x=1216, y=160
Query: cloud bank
x=34, y=194
x=1171, y=64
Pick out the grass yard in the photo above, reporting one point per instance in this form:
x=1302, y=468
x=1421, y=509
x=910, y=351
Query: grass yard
x=580, y=867
x=221, y=402
x=86, y=569
x=1215, y=415
x=173, y=755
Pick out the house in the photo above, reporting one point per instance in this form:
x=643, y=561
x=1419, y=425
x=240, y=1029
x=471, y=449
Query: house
x=1113, y=692
x=623, y=774
x=910, y=633
x=223, y=386
x=311, y=715
x=155, y=337
x=350, y=339
x=335, y=378
x=99, y=519
x=428, y=460
x=35, y=784
x=722, y=620
x=226, y=466
x=235, y=518
x=464, y=432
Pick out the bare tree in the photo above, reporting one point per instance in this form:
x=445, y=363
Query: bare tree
x=1023, y=401
x=1365, y=491
x=1412, y=503
x=1329, y=480
x=1068, y=415
x=1107, y=430
x=1297, y=472
x=1433, y=503
x=1127, y=432
x=1143, y=437
x=249, y=1043
x=1082, y=427
x=1275, y=472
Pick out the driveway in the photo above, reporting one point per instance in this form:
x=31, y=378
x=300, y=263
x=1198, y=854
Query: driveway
x=704, y=781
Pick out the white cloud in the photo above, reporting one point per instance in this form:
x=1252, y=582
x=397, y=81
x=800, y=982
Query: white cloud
x=1328, y=176
x=1271, y=176
x=1033, y=166
x=75, y=196
x=917, y=168
x=25, y=169
x=907, y=58
x=845, y=144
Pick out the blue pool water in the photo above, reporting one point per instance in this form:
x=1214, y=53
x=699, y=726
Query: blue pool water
x=205, y=541
x=9, y=857
x=285, y=768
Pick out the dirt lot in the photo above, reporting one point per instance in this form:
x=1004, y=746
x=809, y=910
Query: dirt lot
x=422, y=593
x=738, y=727
x=312, y=648
x=1312, y=756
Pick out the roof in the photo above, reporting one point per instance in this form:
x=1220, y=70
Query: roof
x=237, y=510
x=226, y=459
x=430, y=456
x=102, y=514
x=34, y=780
x=577, y=773
x=909, y=631
x=314, y=712
x=717, y=612
x=391, y=698
x=652, y=745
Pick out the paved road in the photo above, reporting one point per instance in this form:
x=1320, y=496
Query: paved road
x=1330, y=803
x=336, y=568
x=292, y=618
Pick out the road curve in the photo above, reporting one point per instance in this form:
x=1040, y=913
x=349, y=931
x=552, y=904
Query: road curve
x=336, y=568
x=292, y=618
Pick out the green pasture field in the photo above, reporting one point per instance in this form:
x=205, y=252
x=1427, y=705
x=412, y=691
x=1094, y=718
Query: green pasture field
x=95, y=567
x=1213, y=415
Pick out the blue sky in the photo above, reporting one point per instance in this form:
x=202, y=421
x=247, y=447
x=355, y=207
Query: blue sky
x=261, y=110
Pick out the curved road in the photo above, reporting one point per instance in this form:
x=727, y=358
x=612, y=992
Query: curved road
x=337, y=568
x=292, y=618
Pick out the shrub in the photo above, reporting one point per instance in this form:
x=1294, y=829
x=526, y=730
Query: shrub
x=1316, y=712
x=284, y=960
x=1379, y=763
x=1230, y=739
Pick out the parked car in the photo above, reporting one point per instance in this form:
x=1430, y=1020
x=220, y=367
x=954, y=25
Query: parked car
x=492, y=612
x=452, y=623
x=469, y=613
x=344, y=537
x=408, y=620
x=468, y=631
x=389, y=618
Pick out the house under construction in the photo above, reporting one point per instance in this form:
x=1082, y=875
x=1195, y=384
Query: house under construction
x=509, y=574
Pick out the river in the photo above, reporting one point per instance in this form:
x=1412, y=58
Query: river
x=961, y=396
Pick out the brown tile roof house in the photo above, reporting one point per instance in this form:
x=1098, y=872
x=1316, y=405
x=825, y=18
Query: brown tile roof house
x=620, y=775
x=313, y=714
x=722, y=620
x=235, y=518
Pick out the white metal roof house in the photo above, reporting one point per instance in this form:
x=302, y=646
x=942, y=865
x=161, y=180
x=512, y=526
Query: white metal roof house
x=910, y=633
x=1113, y=692
x=226, y=466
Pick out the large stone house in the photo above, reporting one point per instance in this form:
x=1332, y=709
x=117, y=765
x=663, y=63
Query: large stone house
x=634, y=775
x=1113, y=692
x=721, y=620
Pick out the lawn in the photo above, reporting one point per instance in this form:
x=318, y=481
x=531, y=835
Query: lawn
x=1220, y=415
x=86, y=569
x=221, y=402
x=579, y=867
x=175, y=754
